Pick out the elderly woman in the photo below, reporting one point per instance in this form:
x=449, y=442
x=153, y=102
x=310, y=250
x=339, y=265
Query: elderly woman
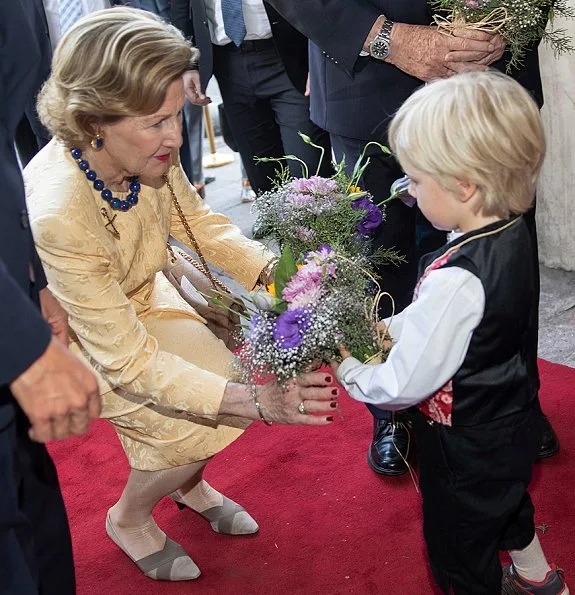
x=100, y=201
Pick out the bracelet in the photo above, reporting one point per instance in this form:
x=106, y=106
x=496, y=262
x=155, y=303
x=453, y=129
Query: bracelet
x=267, y=273
x=259, y=406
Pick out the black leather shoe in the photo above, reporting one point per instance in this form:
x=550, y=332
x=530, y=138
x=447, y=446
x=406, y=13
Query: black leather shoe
x=388, y=452
x=549, y=445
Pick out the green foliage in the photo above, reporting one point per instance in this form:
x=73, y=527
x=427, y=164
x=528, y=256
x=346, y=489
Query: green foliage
x=285, y=270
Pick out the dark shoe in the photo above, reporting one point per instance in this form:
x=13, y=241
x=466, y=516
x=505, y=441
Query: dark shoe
x=209, y=179
x=513, y=584
x=549, y=445
x=388, y=452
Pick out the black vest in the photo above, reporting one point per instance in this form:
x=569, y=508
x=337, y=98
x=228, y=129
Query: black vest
x=494, y=380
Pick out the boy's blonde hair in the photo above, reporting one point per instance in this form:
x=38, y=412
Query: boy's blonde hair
x=111, y=64
x=479, y=127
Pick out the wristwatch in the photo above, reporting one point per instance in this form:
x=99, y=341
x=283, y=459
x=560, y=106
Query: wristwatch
x=380, y=47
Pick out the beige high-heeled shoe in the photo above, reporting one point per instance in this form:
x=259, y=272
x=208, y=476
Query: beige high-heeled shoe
x=229, y=519
x=171, y=563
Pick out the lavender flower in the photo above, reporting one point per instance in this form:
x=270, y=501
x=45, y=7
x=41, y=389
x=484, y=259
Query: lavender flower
x=315, y=185
x=304, y=233
x=290, y=327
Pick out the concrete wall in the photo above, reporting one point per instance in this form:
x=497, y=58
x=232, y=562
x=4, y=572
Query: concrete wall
x=556, y=192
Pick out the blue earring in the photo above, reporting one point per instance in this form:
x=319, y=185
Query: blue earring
x=97, y=142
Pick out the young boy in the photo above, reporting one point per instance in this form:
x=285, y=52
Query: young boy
x=472, y=146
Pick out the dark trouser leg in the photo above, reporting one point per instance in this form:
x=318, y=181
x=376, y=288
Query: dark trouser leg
x=549, y=445
x=390, y=445
x=17, y=577
x=185, y=154
x=27, y=143
x=264, y=112
x=488, y=508
x=46, y=533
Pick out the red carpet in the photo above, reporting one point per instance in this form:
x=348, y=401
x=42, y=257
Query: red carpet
x=327, y=523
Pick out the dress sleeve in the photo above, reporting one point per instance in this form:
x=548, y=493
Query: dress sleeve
x=221, y=242
x=79, y=272
x=435, y=333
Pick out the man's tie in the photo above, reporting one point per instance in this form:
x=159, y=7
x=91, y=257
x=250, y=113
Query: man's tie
x=70, y=11
x=234, y=24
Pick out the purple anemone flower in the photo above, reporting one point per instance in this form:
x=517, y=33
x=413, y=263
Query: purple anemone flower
x=373, y=217
x=290, y=328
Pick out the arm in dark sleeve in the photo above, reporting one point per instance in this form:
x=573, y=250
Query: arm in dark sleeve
x=338, y=27
x=25, y=335
x=181, y=17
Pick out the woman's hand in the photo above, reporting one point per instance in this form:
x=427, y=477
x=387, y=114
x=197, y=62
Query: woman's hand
x=54, y=315
x=309, y=399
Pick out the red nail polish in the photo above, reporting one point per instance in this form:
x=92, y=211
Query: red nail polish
x=328, y=378
x=335, y=391
x=333, y=404
x=330, y=418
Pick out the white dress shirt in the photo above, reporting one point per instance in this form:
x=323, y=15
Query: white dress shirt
x=255, y=16
x=432, y=335
x=53, y=15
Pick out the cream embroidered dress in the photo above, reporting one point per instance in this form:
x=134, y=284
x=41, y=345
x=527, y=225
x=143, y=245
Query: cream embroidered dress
x=162, y=373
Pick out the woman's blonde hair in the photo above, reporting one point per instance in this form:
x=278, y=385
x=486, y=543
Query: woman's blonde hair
x=479, y=127
x=111, y=64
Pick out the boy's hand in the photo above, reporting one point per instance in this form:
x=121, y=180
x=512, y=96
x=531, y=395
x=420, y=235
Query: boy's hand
x=344, y=354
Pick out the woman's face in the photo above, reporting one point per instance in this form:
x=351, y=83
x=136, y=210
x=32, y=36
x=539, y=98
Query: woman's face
x=141, y=145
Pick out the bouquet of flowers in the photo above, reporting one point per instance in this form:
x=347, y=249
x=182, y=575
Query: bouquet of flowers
x=304, y=213
x=317, y=303
x=521, y=23
x=325, y=293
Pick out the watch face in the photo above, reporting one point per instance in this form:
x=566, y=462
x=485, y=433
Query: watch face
x=379, y=49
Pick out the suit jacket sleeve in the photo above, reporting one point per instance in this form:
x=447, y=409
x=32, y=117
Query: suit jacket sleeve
x=181, y=18
x=338, y=27
x=25, y=334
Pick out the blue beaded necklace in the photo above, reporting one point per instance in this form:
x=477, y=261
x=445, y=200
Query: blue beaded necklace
x=116, y=203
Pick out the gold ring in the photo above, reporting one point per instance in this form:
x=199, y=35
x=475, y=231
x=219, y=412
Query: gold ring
x=301, y=408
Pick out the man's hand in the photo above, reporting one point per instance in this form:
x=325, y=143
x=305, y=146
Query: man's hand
x=193, y=88
x=456, y=58
x=54, y=315
x=58, y=394
x=422, y=52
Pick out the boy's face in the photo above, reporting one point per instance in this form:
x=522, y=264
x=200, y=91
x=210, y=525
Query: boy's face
x=440, y=206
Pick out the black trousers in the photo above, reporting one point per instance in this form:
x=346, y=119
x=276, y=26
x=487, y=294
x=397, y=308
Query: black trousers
x=474, y=483
x=265, y=111
x=35, y=545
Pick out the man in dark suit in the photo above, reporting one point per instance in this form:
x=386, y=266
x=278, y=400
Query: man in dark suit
x=366, y=58
x=45, y=392
x=262, y=78
x=31, y=135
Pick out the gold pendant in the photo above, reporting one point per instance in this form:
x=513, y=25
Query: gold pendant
x=110, y=225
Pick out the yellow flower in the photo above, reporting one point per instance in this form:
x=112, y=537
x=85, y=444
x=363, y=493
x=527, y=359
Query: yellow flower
x=271, y=289
x=353, y=189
